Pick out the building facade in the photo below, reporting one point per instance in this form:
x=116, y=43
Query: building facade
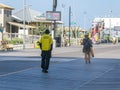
x=5, y=16
x=105, y=28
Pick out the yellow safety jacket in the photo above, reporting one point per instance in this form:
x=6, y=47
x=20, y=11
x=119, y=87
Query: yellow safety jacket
x=46, y=42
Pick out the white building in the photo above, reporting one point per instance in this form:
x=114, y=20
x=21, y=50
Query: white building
x=5, y=15
x=111, y=25
x=109, y=22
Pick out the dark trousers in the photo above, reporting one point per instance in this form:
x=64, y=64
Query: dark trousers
x=46, y=55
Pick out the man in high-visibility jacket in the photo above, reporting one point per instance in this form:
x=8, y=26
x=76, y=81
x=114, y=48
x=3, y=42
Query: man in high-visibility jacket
x=46, y=46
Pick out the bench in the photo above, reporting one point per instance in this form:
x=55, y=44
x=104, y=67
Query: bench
x=6, y=46
x=9, y=47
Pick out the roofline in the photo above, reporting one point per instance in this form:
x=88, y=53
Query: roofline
x=17, y=18
x=21, y=25
x=6, y=6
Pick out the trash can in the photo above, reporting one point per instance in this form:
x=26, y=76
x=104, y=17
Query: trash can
x=58, y=41
x=36, y=44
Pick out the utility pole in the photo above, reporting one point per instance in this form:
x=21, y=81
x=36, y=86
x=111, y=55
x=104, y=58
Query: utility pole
x=24, y=8
x=110, y=25
x=69, y=23
x=62, y=36
x=54, y=24
x=84, y=21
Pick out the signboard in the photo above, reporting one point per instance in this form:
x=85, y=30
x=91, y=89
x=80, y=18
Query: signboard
x=117, y=31
x=117, y=28
x=53, y=15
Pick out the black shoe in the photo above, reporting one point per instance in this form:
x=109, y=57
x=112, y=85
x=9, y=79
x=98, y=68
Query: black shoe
x=44, y=71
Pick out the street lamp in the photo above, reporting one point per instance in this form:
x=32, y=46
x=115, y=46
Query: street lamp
x=84, y=21
x=54, y=5
x=69, y=23
x=24, y=7
x=110, y=25
x=63, y=41
x=54, y=24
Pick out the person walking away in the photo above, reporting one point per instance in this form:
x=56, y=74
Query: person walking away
x=87, y=48
x=46, y=46
x=114, y=40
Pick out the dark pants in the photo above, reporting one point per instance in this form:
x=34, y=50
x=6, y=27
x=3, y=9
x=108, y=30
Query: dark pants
x=46, y=55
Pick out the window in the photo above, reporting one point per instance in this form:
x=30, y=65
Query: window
x=0, y=11
x=7, y=12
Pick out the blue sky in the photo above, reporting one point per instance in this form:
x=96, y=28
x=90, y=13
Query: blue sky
x=83, y=11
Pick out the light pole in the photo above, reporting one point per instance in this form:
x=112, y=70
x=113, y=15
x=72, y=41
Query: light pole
x=69, y=23
x=24, y=8
x=84, y=21
x=54, y=9
x=63, y=41
x=110, y=25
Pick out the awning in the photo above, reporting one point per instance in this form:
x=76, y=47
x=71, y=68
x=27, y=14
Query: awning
x=6, y=6
x=21, y=25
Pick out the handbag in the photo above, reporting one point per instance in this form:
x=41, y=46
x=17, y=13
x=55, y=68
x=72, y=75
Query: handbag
x=92, y=51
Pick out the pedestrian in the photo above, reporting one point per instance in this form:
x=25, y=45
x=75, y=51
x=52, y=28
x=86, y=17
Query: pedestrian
x=87, y=48
x=46, y=46
x=114, y=40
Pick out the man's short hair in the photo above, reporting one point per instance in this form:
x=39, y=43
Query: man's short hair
x=47, y=31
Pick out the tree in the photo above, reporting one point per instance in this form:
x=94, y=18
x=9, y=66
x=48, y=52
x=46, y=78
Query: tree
x=40, y=29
